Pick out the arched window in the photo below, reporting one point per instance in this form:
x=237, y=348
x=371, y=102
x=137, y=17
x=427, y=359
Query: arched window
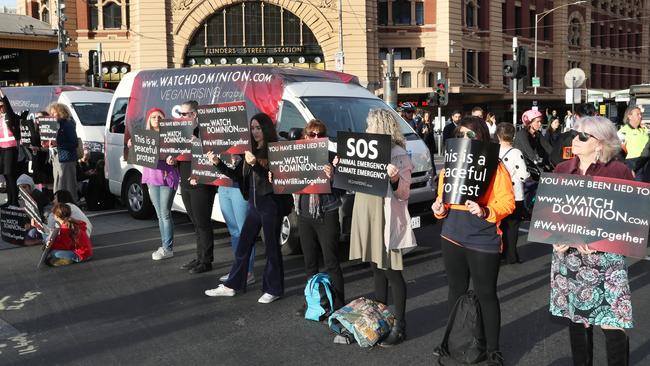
x=45, y=15
x=112, y=15
x=254, y=32
x=575, y=32
x=471, y=13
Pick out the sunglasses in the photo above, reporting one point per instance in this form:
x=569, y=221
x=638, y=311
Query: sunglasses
x=469, y=134
x=314, y=134
x=584, y=136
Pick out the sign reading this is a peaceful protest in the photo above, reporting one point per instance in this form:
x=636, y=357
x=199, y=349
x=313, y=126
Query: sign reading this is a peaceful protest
x=363, y=162
x=469, y=167
x=224, y=128
x=609, y=214
x=298, y=166
x=47, y=127
x=204, y=171
x=144, y=149
x=12, y=224
x=176, y=138
x=26, y=128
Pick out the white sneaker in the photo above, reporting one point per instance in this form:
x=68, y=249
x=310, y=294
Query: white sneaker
x=161, y=253
x=267, y=298
x=224, y=278
x=221, y=290
x=250, y=279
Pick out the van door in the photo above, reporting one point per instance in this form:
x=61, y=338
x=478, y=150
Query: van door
x=115, y=145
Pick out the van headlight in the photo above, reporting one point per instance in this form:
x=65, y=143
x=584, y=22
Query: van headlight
x=94, y=146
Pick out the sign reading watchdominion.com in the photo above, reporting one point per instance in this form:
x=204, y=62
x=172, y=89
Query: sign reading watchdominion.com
x=609, y=214
x=298, y=166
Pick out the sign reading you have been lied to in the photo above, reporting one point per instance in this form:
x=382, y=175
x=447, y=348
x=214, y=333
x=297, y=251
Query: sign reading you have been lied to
x=609, y=214
x=469, y=167
x=299, y=166
x=144, y=149
x=176, y=138
x=204, y=171
x=363, y=160
x=224, y=128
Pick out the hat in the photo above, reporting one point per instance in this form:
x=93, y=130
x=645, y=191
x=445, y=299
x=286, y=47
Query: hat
x=407, y=106
x=25, y=179
x=529, y=116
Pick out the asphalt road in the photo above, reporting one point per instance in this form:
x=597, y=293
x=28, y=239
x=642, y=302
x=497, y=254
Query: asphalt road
x=121, y=308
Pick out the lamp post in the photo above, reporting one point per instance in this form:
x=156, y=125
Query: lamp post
x=540, y=16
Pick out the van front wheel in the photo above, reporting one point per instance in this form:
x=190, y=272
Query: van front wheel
x=136, y=198
x=289, y=239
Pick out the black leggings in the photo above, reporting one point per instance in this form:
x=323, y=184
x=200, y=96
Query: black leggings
x=462, y=264
x=397, y=285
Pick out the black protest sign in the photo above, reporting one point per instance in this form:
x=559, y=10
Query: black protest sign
x=175, y=138
x=144, y=149
x=204, y=171
x=363, y=160
x=298, y=166
x=469, y=167
x=224, y=128
x=609, y=214
x=47, y=127
x=12, y=224
x=31, y=207
x=26, y=132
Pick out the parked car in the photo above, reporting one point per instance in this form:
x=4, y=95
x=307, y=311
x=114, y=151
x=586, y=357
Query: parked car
x=290, y=96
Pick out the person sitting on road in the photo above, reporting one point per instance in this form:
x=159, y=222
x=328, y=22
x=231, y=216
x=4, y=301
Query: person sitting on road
x=72, y=244
x=63, y=196
x=26, y=183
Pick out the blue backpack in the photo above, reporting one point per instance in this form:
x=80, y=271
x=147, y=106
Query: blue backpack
x=319, y=297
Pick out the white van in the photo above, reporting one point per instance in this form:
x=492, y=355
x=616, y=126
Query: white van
x=88, y=107
x=291, y=96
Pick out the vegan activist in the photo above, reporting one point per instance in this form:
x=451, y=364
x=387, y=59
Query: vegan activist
x=265, y=211
x=589, y=287
x=162, y=183
x=9, y=140
x=64, y=162
x=381, y=225
x=471, y=238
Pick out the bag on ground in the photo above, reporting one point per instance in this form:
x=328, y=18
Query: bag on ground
x=464, y=340
x=369, y=321
x=319, y=297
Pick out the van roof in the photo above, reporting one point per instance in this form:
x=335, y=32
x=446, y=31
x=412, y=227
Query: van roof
x=36, y=98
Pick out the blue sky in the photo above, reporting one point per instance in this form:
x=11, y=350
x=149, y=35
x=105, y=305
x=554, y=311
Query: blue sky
x=8, y=3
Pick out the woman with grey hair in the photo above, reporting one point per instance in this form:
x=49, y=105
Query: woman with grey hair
x=65, y=162
x=381, y=225
x=590, y=287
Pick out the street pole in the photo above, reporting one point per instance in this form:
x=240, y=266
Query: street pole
x=60, y=44
x=340, y=57
x=535, y=72
x=441, y=124
x=514, y=83
x=99, y=65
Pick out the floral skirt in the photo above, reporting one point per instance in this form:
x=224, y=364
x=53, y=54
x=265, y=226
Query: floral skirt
x=591, y=289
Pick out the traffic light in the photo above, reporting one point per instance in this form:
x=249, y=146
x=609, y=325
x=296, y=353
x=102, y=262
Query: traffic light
x=521, y=71
x=441, y=90
x=433, y=99
x=509, y=69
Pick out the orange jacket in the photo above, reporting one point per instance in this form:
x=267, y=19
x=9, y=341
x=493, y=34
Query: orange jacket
x=500, y=202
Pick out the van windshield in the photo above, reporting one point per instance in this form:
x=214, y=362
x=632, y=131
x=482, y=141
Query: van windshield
x=91, y=114
x=349, y=114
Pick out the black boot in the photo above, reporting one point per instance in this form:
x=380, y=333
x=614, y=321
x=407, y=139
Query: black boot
x=582, y=343
x=396, y=336
x=618, y=347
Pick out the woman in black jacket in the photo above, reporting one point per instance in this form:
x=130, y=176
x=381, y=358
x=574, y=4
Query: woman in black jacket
x=65, y=161
x=265, y=211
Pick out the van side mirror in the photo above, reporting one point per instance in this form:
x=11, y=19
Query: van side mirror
x=293, y=134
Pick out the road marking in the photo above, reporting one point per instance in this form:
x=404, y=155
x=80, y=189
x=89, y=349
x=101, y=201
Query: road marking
x=106, y=213
x=218, y=231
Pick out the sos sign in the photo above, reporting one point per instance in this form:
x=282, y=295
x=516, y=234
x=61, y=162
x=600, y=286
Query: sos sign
x=363, y=160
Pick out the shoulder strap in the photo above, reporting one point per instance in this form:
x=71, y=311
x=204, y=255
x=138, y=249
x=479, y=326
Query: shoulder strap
x=504, y=155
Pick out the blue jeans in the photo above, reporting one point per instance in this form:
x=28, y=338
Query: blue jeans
x=162, y=198
x=234, y=209
x=69, y=254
